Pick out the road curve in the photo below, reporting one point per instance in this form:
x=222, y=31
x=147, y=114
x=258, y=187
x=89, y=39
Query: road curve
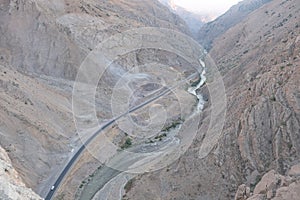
x=68, y=167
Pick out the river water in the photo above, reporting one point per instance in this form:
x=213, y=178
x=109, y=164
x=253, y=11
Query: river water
x=193, y=90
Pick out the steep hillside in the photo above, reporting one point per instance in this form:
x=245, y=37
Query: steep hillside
x=256, y=48
x=47, y=37
x=42, y=44
x=12, y=187
x=236, y=14
x=193, y=20
x=36, y=128
x=259, y=59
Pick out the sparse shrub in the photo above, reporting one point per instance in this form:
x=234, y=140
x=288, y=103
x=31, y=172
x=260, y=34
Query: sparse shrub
x=151, y=141
x=194, y=84
x=129, y=185
x=273, y=98
x=127, y=144
x=173, y=125
x=252, y=186
x=60, y=197
x=283, y=124
x=160, y=137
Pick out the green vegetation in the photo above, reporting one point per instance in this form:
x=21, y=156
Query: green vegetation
x=82, y=184
x=283, y=124
x=160, y=137
x=127, y=144
x=194, y=84
x=150, y=141
x=273, y=98
x=129, y=185
x=174, y=124
x=166, y=129
x=290, y=146
x=252, y=186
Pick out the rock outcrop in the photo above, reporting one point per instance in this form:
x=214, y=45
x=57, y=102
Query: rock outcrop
x=273, y=186
x=11, y=184
x=47, y=36
x=259, y=60
x=42, y=44
x=36, y=123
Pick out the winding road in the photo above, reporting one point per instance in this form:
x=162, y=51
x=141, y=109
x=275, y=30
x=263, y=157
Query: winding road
x=73, y=160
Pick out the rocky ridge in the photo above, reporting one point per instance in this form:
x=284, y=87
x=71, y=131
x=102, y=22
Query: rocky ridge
x=193, y=20
x=42, y=44
x=273, y=186
x=259, y=60
x=237, y=13
x=258, y=56
x=12, y=186
x=53, y=32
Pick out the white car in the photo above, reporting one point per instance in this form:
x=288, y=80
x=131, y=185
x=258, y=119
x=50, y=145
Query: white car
x=52, y=188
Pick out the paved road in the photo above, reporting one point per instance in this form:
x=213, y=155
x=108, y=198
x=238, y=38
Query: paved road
x=68, y=167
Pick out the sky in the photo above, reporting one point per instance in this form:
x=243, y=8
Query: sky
x=214, y=7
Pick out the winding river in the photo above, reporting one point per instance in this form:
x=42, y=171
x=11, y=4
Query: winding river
x=193, y=90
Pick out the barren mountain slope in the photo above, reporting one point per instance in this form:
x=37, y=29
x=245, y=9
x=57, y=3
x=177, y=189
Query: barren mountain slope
x=12, y=187
x=47, y=36
x=260, y=59
x=42, y=44
x=36, y=124
x=193, y=20
x=210, y=31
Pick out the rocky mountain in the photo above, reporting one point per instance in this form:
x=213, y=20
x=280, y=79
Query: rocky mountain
x=256, y=46
x=236, y=14
x=42, y=44
x=193, y=20
x=273, y=186
x=40, y=24
x=259, y=59
x=12, y=186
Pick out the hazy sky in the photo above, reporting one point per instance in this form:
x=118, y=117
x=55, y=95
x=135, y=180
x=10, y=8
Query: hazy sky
x=215, y=7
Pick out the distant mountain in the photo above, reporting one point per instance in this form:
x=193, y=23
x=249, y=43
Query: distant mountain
x=194, y=20
x=233, y=16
